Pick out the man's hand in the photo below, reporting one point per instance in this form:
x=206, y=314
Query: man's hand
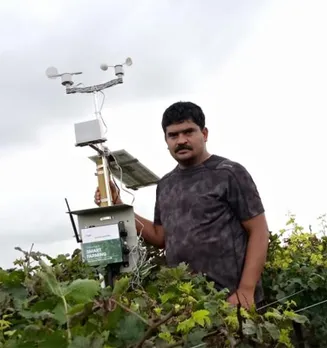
x=114, y=192
x=244, y=296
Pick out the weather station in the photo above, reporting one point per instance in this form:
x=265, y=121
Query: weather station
x=107, y=233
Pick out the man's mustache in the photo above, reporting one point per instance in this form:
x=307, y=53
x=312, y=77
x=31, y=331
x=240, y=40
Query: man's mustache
x=182, y=147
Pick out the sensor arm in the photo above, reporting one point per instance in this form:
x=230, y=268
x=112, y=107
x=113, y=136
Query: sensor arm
x=95, y=88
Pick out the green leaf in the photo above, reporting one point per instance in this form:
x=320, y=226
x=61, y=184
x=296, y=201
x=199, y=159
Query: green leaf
x=54, y=340
x=195, y=337
x=201, y=317
x=14, y=278
x=76, y=309
x=49, y=279
x=121, y=285
x=167, y=297
x=249, y=328
x=4, y=324
x=273, y=314
x=272, y=329
x=81, y=290
x=212, y=307
x=297, y=281
x=59, y=313
x=86, y=342
x=37, y=335
x=130, y=329
x=313, y=284
x=259, y=334
x=186, y=325
x=3, y=276
x=186, y=287
x=166, y=336
x=301, y=319
x=4, y=300
x=43, y=315
x=140, y=303
x=44, y=305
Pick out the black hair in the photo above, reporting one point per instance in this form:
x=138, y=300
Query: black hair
x=183, y=111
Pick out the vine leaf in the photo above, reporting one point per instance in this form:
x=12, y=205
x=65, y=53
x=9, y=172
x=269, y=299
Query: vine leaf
x=272, y=329
x=49, y=279
x=186, y=325
x=131, y=329
x=81, y=290
x=121, y=285
x=201, y=317
x=83, y=342
x=195, y=337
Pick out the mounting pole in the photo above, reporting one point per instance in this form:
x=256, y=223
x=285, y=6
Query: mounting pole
x=102, y=164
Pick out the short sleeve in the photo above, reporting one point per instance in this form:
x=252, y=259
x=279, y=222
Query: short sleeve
x=157, y=217
x=242, y=193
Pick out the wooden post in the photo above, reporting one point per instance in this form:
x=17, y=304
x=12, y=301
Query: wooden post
x=104, y=187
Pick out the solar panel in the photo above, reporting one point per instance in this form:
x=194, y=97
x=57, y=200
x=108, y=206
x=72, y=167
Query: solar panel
x=134, y=174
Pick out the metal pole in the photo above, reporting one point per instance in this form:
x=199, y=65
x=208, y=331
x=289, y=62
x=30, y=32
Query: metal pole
x=105, y=166
x=109, y=278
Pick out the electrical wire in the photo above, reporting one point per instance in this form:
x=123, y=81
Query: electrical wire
x=100, y=109
x=140, y=260
x=292, y=295
x=199, y=345
x=311, y=306
x=121, y=188
x=281, y=299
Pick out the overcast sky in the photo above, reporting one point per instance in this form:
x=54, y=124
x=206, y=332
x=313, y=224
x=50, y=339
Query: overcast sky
x=257, y=68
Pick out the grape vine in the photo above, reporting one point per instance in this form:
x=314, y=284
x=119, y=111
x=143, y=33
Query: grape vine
x=58, y=302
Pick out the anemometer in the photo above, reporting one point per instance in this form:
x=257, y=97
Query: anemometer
x=107, y=233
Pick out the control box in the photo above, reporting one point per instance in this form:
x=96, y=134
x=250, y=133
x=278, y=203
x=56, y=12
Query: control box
x=109, y=236
x=89, y=132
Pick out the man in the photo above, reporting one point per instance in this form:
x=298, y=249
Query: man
x=208, y=212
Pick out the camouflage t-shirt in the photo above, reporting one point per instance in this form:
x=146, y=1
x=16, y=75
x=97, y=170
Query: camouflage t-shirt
x=201, y=209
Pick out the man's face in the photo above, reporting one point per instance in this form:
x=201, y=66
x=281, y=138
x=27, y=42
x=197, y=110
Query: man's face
x=186, y=141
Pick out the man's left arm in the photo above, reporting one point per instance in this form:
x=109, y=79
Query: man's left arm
x=256, y=251
x=246, y=203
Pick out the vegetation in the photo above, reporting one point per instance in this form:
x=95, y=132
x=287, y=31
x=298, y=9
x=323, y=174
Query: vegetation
x=297, y=269
x=59, y=302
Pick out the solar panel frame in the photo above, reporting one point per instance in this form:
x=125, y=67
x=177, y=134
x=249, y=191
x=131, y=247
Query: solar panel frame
x=135, y=175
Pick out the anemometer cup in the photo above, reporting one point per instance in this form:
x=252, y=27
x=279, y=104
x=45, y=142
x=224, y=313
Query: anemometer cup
x=67, y=80
x=119, y=71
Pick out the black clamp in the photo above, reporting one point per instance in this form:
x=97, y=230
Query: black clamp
x=123, y=238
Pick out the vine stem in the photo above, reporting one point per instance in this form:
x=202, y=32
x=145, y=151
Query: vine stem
x=28, y=261
x=69, y=334
x=130, y=311
x=177, y=344
x=154, y=326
